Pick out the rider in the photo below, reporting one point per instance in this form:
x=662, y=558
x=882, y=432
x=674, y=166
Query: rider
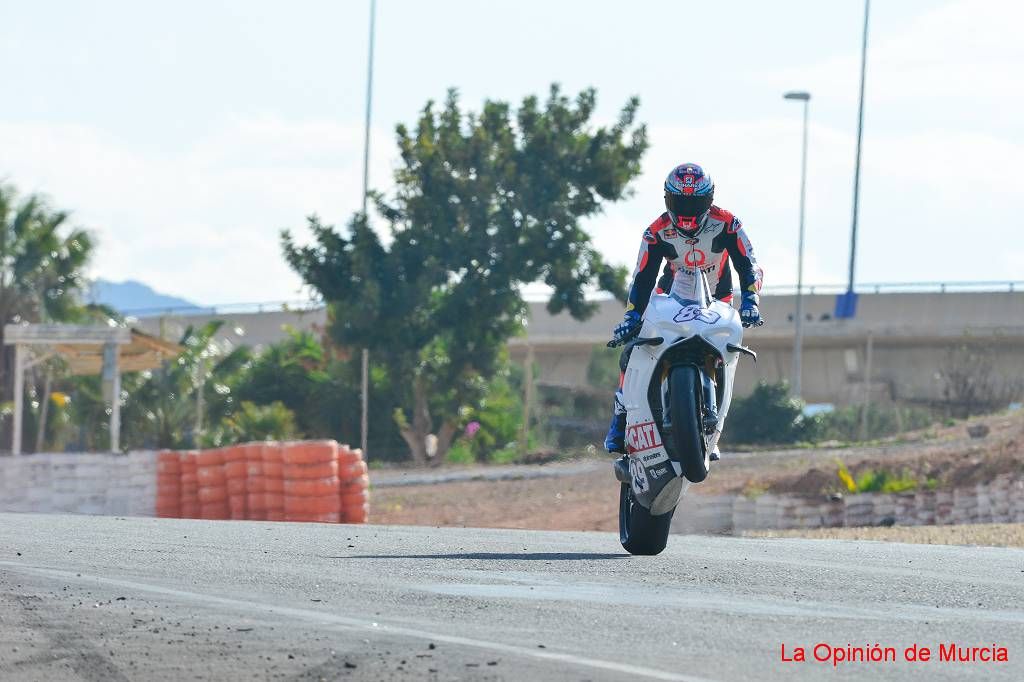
x=692, y=233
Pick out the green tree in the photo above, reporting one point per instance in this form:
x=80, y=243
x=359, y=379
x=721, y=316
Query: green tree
x=293, y=372
x=162, y=407
x=485, y=203
x=42, y=260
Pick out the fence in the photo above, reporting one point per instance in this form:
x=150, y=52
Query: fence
x=311, y=481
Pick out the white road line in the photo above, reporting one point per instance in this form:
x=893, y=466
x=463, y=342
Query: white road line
x=342, y=622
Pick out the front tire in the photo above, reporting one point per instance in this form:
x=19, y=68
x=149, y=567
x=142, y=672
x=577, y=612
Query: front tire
x=686, y=412
x=639, y=531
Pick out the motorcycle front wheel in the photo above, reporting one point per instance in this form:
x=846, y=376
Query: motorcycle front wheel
x=639, y=531
x=686, y=412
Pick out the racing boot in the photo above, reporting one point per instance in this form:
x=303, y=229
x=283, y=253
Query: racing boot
x=615, y=441
x=621, y=468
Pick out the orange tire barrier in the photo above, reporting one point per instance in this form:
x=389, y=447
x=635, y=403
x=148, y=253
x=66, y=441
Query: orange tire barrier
x=310, y=476
x=213, y=491
x=304, y=481
x=211, y=476
x=255, y=498
x=326, y=504
x=311, y=487
x=168, y=462
x=355, y=483
x=310, y=452
x=353, y=471
x=273, y=481
x=356, y=514
x=189, y=485
x=316, y=470
x=315, y=518
x=217, y=511
x=236, y=469
x=168, y=484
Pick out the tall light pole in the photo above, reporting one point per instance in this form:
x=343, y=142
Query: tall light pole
x=369, y=108
x=364, y=420
x=798, y=341
x=848, y=308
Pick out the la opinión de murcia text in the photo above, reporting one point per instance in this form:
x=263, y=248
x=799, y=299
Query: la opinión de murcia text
x=950, y=652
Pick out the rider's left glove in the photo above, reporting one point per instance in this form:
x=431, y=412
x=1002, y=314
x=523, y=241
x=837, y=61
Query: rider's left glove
x=627, y=329
x=750, y=316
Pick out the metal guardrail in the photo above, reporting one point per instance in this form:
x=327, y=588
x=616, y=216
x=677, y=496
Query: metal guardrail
x=225, y=309
x=993, y=286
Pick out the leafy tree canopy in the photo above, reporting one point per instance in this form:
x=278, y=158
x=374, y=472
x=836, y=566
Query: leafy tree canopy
x=485, y=203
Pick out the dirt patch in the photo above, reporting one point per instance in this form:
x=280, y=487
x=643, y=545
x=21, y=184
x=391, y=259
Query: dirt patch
x=589, y=500
x=586, y=501
x=942, y=458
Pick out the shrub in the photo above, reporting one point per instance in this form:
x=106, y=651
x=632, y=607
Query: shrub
x=880, y=481
x=460, y=453
x=882, y=420
x=768, y=415
x=252, y=422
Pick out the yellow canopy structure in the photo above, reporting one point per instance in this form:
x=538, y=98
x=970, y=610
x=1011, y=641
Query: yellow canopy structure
x=87, y=350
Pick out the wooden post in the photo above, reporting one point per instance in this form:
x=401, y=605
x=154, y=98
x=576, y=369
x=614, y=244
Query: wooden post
x=19, y=397
x=44, y=410
x=527, y=401
x=867, y=386
x=364, y=419
x=115, y=398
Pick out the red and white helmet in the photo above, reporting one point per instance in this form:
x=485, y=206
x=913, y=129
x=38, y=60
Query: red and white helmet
x=689, y=192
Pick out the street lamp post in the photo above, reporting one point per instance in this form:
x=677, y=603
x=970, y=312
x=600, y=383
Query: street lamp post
x=364, y=417
x=798, y=341
x=846, y=304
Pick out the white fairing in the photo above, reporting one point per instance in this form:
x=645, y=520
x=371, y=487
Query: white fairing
x=657, y=481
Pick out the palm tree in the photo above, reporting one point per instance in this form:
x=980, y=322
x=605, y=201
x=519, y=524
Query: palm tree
x=176, y=405
x=41, y=267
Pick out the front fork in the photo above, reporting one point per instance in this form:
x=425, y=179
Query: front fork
x=708, y=384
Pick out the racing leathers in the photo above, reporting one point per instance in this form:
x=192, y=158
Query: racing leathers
x=718, y=245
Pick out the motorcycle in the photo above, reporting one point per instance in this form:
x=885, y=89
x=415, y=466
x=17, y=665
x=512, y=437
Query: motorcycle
x=676, y=390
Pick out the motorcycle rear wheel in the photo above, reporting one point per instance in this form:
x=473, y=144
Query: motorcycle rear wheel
x=639, y=531
x=686, y=412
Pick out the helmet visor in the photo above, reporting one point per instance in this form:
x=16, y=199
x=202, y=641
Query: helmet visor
x=688, y=205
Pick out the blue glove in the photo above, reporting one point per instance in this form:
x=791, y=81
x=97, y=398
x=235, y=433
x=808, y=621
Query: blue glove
x=627, y=329
x=750, y=316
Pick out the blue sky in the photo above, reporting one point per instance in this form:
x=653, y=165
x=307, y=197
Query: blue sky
x=187, y=135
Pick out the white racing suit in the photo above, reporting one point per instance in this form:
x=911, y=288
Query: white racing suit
x=718, y=245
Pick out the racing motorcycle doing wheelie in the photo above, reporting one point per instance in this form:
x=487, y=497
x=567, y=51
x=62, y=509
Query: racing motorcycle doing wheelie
x=676, y=390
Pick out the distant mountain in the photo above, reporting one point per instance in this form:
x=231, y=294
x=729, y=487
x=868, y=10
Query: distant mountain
x=136, y=297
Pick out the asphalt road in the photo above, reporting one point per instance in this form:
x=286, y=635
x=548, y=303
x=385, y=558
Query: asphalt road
x=108, y=599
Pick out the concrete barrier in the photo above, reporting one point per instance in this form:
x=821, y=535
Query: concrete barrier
x=79, y=483
x=130, y=484
x=998, y=501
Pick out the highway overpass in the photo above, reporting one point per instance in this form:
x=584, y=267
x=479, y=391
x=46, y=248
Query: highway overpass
x=910, y=334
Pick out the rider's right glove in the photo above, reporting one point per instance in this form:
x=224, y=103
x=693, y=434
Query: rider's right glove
x=750, y=316
x=627, y=329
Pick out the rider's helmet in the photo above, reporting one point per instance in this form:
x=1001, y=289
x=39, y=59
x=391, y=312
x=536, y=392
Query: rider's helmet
x=689, y=192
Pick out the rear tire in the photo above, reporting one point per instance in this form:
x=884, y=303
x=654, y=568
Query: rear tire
x=685, y=411
x=639, y=531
